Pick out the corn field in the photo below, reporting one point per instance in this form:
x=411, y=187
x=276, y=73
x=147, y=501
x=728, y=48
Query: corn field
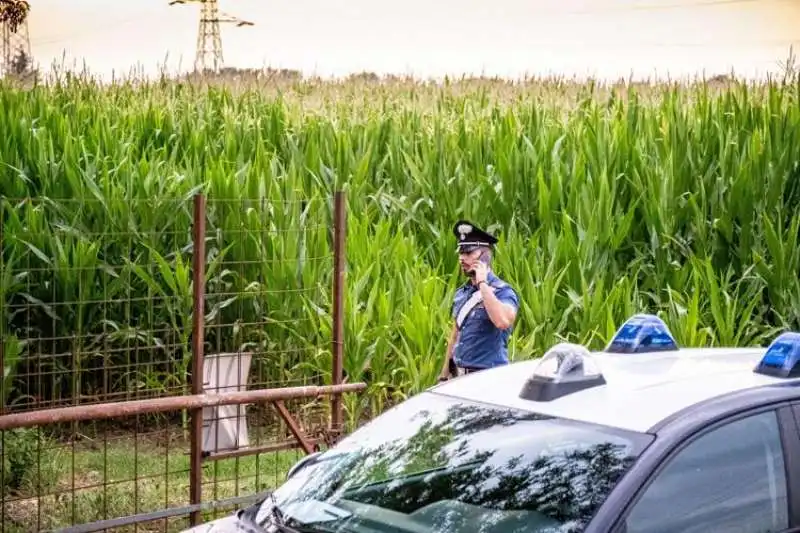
x=676, y=200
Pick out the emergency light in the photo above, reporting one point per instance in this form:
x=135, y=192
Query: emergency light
x=565, y=368
x=781, y=357
x=640, y=334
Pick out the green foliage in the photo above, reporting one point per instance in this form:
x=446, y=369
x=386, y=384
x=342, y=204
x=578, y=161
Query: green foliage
x=609, y=201
x=21, y=471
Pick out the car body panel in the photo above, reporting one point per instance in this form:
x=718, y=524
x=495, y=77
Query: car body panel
x=640, y=390
x=671, y=395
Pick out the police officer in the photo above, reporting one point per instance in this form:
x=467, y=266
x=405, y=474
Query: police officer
x=484, y=308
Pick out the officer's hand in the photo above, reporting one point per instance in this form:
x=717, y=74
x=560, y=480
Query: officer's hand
x=480, y=271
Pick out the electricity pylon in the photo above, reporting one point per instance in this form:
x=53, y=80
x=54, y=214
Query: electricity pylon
x=16, y=50
x=209, y=43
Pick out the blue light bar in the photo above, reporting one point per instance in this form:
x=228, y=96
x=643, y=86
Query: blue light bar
x=642, y=333
x=781, y=357
x=564, y=369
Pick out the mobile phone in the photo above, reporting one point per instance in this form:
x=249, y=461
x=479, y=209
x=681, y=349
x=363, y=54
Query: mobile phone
x=482, y=258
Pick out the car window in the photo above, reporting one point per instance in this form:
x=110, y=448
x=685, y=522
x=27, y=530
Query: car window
x=437, y=464
x=731, y=480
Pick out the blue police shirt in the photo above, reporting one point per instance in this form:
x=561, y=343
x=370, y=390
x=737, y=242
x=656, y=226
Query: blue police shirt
x=480, y=343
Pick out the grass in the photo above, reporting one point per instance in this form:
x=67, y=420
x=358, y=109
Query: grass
x=120, y=475
x=676, y=199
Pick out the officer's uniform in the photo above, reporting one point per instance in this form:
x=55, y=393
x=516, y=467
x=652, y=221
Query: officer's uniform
x=480, y=343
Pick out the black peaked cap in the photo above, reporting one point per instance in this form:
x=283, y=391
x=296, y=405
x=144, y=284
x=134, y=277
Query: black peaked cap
x=470, y=236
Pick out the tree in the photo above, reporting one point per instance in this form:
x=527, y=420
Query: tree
x=14, y=13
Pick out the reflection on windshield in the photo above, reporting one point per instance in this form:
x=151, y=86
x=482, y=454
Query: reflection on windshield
x=439, y=464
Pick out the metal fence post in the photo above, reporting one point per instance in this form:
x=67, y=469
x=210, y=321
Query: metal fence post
x=2, y=368
x=339, y=231
x=198, y=295
x=3, y=391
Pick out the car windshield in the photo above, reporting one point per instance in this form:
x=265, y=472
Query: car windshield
x=442, y=464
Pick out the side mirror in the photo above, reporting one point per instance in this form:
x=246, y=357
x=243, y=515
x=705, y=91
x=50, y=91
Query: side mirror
x=302, y=463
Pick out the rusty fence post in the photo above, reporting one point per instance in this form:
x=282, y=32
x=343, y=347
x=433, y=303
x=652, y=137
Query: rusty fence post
x=339, y=230
x=198, y=326
x=3, y=297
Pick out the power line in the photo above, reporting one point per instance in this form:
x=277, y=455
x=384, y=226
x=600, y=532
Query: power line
x=111, y=26
x=660, y=7
x=209, y=49
x=677, y=44
x=702, y=3
x=668, y=44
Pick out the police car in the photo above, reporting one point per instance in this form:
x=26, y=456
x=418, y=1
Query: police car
x=641, y=437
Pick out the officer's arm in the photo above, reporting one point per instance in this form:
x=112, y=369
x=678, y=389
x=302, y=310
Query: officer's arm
x=449, y=353
x=501, y=313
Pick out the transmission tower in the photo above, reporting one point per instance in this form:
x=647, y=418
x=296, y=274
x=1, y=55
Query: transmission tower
x=209, y=43
x=16, y=50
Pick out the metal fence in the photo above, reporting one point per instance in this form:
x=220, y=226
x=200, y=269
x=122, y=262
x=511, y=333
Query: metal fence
x=164, y=363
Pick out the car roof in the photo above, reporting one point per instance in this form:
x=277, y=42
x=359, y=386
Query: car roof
x=640, y=391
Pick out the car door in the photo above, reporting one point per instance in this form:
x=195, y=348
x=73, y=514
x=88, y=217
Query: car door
x=732, y=477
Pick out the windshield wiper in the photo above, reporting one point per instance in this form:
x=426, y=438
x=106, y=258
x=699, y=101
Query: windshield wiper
x=276, y=519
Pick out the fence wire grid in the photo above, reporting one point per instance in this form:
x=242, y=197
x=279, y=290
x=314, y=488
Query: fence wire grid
x=98, y=305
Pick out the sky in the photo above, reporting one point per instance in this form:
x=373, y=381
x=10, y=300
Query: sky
x=427, y=38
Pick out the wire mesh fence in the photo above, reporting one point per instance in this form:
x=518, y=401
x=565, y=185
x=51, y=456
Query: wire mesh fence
x=106, y=302
x=136, y=468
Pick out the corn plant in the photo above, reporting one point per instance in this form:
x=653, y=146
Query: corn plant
x=609, y=200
